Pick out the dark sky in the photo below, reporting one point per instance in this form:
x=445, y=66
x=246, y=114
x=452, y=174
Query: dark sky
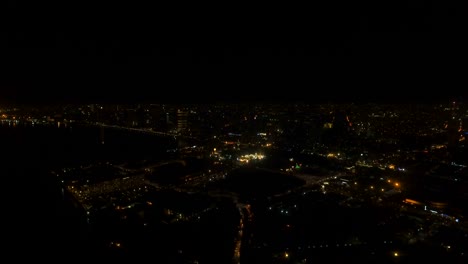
x=407, y=51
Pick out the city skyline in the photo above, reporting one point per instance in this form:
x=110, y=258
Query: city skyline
x=239, y=183
x=331, y=133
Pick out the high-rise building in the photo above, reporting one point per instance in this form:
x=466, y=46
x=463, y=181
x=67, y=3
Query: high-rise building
x=452, y=133
x=454, y=129
x=464, y=124
x=182, y=120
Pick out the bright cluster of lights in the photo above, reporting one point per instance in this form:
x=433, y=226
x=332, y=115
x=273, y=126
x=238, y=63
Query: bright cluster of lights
x=248, y=157
x=333, y=155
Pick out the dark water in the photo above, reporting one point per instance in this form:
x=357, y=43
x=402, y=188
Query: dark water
x=35, y=214
x=52, y=146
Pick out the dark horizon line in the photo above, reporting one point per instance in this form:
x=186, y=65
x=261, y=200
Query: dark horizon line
x=287, y=101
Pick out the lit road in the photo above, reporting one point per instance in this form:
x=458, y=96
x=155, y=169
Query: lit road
x=245, y=218
x=310, y=179
x=313, y=180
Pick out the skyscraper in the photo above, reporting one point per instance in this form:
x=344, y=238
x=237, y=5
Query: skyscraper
x=454, y=129
x=182, y=123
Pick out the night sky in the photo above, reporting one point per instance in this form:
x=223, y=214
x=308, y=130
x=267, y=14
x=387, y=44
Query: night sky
x=407, y=51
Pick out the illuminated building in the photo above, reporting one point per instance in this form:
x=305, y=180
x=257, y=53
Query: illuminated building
x=338, y=130
x=453, y=129
x=464, y=125
x=182, y=122
x=341, y=122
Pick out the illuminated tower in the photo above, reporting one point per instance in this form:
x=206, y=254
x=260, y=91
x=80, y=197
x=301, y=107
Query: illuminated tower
x=454, y=129
x=452, y=135
x=182, y=123
x=338, y=131
x=100, y=121
x=341, y=123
